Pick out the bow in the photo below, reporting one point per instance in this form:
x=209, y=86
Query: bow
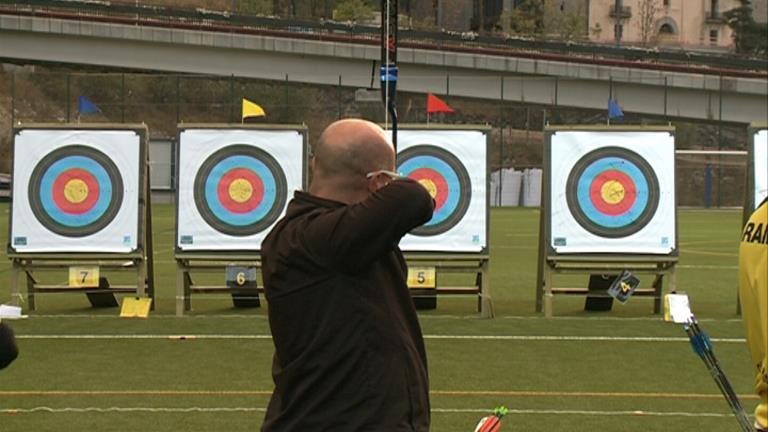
x=389, y=63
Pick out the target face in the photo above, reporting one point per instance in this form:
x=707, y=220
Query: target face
x=446, y=179
x=612, y=192
x=240, y=190
x=452, y=165
x=78, y=190
x=234, y=184
x=75, y=191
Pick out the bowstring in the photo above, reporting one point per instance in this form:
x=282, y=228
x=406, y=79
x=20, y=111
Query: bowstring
x=385, y=45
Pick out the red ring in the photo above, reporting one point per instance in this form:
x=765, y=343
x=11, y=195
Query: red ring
x=441, y=185
x=241, y=174
x=60, y=184
x=621, y=207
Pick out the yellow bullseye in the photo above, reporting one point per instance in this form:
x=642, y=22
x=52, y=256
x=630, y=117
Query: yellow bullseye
x=75, y=191
x=430, y=186
x=240, y=190
x=612, y=192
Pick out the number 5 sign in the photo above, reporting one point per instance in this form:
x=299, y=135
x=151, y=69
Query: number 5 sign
x=421, y=277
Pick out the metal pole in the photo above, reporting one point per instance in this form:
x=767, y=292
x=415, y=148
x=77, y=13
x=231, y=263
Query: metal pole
x=501, y=149
x=286, y=95
x=338, y=99
x=610, y=97
x=720, y=142
x=666, y=89
x=67, y=96
x=178, y=99
x=231, y=98
x=13, y=99
x=122, y=96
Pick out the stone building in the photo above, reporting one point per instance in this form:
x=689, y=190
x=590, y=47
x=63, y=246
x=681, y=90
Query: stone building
x=691, y=23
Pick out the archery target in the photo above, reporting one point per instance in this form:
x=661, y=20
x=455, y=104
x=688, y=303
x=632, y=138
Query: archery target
x=76, y=191
x=447, y=181
x=240, y=190
x=612, y=192
x=760, y=165
x=452, y=165
x=235, y=186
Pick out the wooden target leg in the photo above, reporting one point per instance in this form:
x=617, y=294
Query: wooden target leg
x=658, y=284
x=187, y=291
x=486, y=305
x=30, y=290
x=548, y=296
x=141, y=278
x=16, y=272
x=180, y=300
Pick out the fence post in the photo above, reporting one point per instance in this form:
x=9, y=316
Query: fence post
x=708, y=186
x=122, y=96
x=13, y=98
x=178, y=99
x=67, y=95
x=231, y=98
x=338, y=99
x=501, y=143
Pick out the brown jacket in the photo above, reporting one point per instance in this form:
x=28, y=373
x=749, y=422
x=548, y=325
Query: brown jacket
x=349, y=353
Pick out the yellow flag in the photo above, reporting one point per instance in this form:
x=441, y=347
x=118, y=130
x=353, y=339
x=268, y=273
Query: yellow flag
x=251, y=109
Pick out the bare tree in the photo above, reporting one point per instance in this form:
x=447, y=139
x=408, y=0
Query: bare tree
x=647, y=20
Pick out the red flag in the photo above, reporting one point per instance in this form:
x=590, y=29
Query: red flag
x=435, y=105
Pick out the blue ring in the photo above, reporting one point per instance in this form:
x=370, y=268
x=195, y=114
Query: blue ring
x=220, y=170
x=596, y=168
x=58, y=168
x=588, y=168
x=450, y=177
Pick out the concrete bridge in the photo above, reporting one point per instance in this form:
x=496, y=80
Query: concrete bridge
x=687, y=93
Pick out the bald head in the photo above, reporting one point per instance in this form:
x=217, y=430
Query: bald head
x=352, y=147
x=346, y=151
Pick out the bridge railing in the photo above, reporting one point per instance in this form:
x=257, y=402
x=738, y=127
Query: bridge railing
x=324, y=29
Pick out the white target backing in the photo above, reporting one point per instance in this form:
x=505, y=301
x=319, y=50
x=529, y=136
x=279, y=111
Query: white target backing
x=453, y=165
x=234, y=184
x=76, y=190
x=760, y=165
x=611, y=192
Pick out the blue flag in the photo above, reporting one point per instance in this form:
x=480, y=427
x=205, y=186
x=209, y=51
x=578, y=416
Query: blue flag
x=85, y=106
x=614, y=110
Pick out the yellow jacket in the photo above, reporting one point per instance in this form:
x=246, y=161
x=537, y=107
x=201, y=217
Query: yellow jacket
x=753, y=292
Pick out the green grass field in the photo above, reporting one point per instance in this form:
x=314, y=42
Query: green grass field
x=84, y=369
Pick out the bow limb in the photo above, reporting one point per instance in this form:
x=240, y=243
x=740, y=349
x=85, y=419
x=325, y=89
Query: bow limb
x=389, y=70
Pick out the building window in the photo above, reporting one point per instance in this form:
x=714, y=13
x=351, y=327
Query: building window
x=666, y=3
x=666, y=29
x=618, y=31
x=713, y=37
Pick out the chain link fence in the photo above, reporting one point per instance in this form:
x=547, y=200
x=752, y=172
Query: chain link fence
x=34, y=94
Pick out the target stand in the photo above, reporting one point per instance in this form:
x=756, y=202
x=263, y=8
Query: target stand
x=452, y=163
x=234, y=183
x=608, y=205
x=472, y=264
x=80, y=205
